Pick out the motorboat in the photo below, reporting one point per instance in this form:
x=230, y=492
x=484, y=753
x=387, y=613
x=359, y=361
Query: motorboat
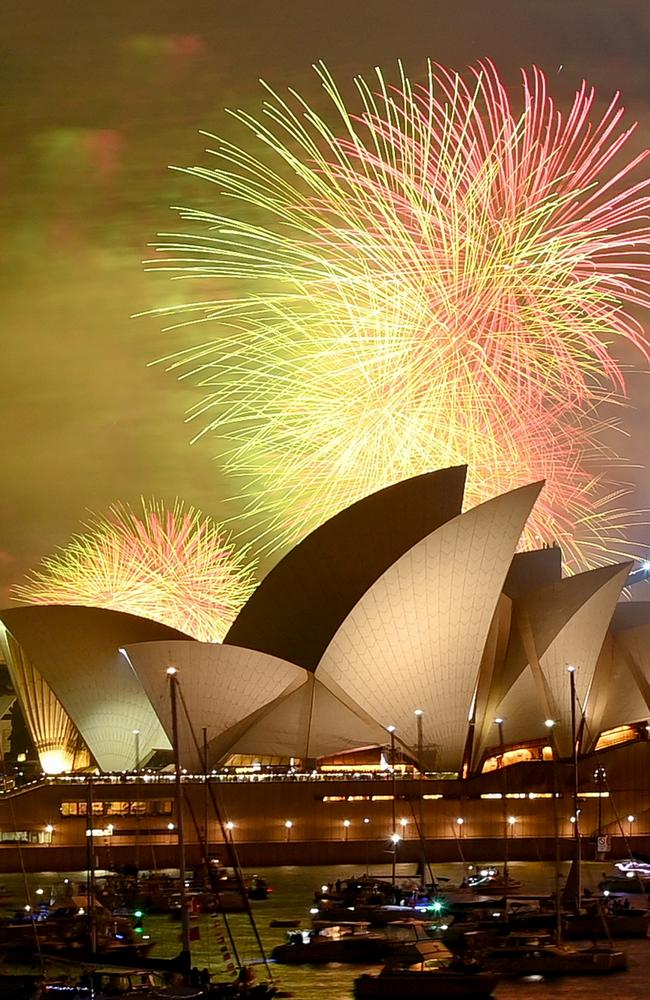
x=353, y=941
x=65, y=928
x=428, y=979
x=537, y=955
x=132, y=984
x=491, y=882
x=380, y=902
x=349, y=941
x=596, y=920
x=629, y=884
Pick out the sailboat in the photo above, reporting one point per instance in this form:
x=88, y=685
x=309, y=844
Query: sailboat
x=181, y=980
x=587, y=917
x=244, y=985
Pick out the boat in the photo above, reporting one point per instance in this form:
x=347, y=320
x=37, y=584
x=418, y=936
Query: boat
x=491, y=882
x=19, y=987
x=427, y=979
x=353, y=941
x=380, y=902
x=597, y=920
x=64, y=929
x=536, y=955
x=132, y=984
x=244, y=986
x=631, y=884
x=350, y=941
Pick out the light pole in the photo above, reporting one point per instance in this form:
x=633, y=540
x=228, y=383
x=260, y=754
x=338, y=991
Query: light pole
x=600, y=775
x=366, y=823
x=346, y=827
x=420, y=742
x=288, y=827
x=136, y=738
x=180, y=826
x=504, y=795
x=394, y=835
x=511, y=827
x=630, y=820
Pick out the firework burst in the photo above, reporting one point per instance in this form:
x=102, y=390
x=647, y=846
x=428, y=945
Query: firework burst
x=436, y=279
x=175, y=566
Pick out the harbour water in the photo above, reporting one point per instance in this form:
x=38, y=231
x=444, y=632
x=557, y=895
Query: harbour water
x=293, y=889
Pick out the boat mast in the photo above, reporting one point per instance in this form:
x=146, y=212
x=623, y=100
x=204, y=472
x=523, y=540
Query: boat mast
x=394, y=838
x=180, y=830
x=576, y=806
x=90, y=861
x=504, y=800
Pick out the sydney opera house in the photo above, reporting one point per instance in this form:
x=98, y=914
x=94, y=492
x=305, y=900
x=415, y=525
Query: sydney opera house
x=405, y=663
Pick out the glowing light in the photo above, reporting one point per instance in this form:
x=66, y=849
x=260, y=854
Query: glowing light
x=173, y=565
x=433, y=280
x=56, y=761
x=549, y=723
x=55, y=737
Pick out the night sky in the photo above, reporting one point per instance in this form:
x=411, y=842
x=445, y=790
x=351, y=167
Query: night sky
x=98, y=99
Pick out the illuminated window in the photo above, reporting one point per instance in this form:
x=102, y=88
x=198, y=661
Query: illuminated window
x=612, y=737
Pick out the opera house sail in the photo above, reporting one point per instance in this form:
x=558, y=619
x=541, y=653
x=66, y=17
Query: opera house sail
x=401, y=621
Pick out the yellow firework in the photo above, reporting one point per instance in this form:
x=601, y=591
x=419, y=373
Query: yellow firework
x=435, y=279
x=175, y=566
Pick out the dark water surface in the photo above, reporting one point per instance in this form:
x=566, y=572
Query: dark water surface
x=293, y=888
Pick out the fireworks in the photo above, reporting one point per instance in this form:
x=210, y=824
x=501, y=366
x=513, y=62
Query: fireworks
x=436, y=279
x=172, y=565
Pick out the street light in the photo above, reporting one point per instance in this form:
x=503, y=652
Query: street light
x=288, y=826
x=600, y=775
x=136, y=736
x=420, y=741
x=366, y=822
x=630, y=819
x=391, y=730
x=346, y=827
x=459, y=823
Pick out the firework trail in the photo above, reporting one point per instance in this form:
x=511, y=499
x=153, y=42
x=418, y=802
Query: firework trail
x=174, y=566
x=436, y=279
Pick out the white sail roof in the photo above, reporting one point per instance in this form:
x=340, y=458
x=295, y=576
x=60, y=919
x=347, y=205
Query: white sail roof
x=311, y=721
x=220, y=686
x=76, y=650
x=557, y=627
x=416, y=638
